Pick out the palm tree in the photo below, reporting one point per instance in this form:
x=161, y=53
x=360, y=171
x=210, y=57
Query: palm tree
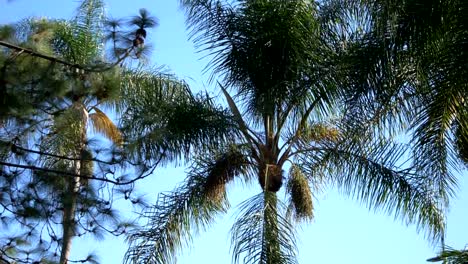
x=281, y=59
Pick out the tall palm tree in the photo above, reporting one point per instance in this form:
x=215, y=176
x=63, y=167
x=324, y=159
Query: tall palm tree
x=281, y=60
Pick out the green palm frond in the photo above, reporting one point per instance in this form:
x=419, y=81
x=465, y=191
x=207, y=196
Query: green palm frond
x=262, y=234
x=67, y=131
x=255, y=34
x=461, y=139
x=81, y=40
x=371, y=173
x=406, y=71
x=301, y=204
x=434, y=148
x=163, y=119
x=451, y=256
x=176, y=217
x=102, y=124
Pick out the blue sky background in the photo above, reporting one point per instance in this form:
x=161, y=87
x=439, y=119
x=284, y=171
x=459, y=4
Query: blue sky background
x=344, y=231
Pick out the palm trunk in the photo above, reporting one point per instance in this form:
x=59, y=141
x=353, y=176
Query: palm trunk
x=68, y=219
x=70, y=202
x=270, y=229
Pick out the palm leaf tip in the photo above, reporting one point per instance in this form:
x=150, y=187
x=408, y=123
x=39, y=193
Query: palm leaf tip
x=261, y=234
x=301, y=195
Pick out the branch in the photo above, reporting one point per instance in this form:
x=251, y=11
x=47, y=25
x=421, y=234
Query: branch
x=17, y=147
x=72, y=65
x=69, y=174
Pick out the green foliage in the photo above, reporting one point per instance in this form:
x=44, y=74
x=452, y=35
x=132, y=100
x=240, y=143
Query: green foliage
x=451, y=256
x=406, y=71
x=164, y=121
x=293, y=68
x=261, y=234
x=56, y=181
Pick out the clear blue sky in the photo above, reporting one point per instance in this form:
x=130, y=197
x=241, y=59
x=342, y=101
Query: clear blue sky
x=344, y=231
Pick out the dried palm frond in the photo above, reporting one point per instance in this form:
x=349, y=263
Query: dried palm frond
x=300, y=195
x=103, y=125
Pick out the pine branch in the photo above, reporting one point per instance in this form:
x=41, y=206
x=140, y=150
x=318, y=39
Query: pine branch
x=97, y=68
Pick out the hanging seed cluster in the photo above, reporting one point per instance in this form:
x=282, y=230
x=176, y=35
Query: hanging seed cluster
x=222, y=171
x=301, y=196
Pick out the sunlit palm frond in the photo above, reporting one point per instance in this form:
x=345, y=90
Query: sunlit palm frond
x=90, y=15
x=175, y=218
x=301, y=204
x=102, y=124
x=261, y=234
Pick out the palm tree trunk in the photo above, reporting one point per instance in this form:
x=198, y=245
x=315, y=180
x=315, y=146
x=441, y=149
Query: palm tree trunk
x=271, y=236
x=69, y=205
x=68, y=219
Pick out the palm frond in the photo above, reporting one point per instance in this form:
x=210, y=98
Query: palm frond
x=178, y=215
x=262, y=234
x=372, y=173
x=163, y=119
x=102, y=124
x=301, y=204
x=434, y=146
x=451, y=256
x=461, y=138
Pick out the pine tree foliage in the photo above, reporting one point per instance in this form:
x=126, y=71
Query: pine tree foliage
x=57, y=179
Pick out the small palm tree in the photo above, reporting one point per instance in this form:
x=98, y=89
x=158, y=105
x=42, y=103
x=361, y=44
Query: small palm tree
x=281, y=60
